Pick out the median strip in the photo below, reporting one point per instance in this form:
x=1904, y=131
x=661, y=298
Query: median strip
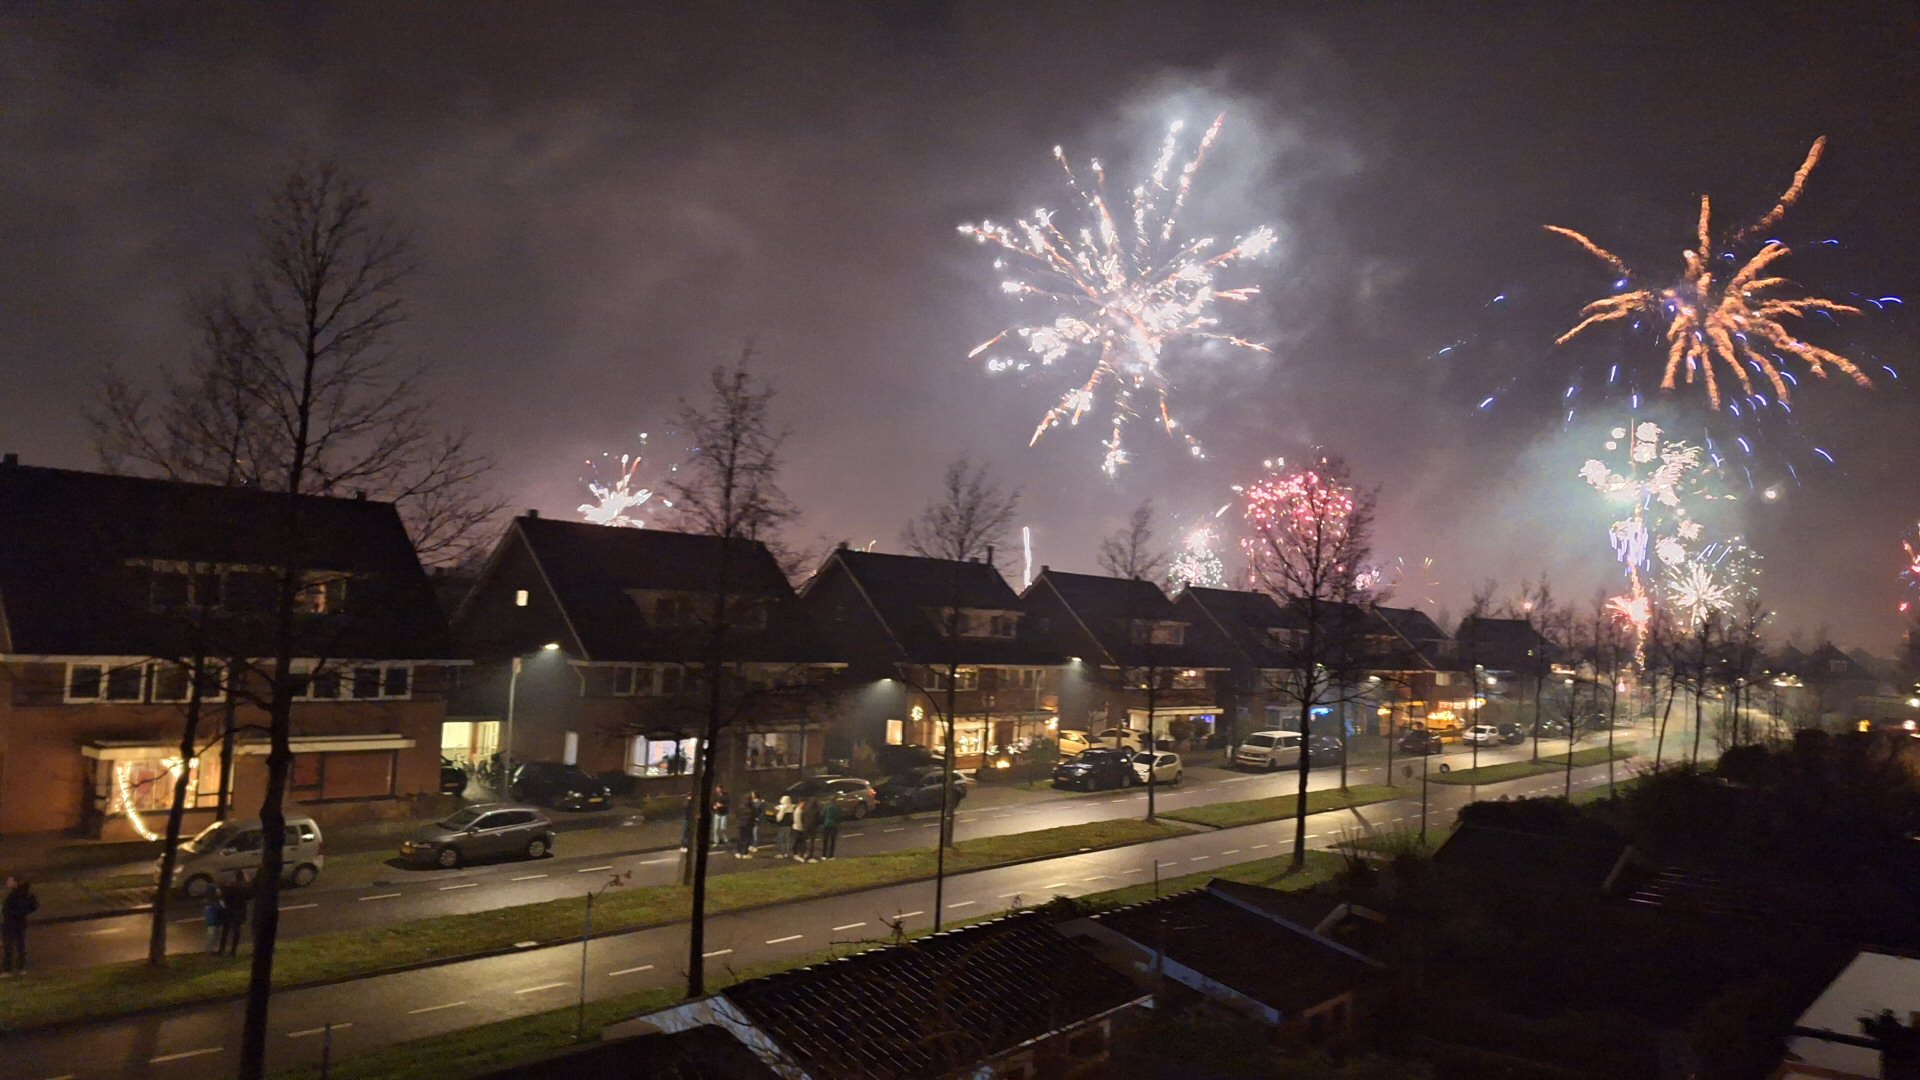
x=1516, y=770
x=1228, y=815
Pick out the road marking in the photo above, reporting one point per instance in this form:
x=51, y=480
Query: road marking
x=850, y=926
x=593, y=869
x=1235, y=779
x=1055, y=885
x=284, y=908
x=542, y=986
x=530, y=877
x=962, y=903
x=1257, y=847
x=1314, y=835
x=1097, y=877
x=1199, y=858
x=525, y=944
x=463, y=885
x=630, y=971
x=783, y=940
x=716, y=952
x=896, y=828
x=102, y=930
x=649, y=862
x=1135, y=870
x=931, y=825
x=318, y=1030
x=379, y=896
x=435, y=1008
x=909, y=914
x=1006, y=896
x=164, y=1058
x=1231, y=851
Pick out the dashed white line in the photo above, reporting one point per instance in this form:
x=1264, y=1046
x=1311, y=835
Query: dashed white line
x=462, y=885
x=435, y=1008
x=318, y=1030
x=648, y=862
x=1097, y=877
x=537, y=989
x=525, y=944
x=203, y=1052
x=783, y=940
x=1055, y=885
x=909, y=914
x=896, y=828
x=714, y=953
x=931, y=825
x=630, y=971
x=530, y=877
x=1257, y=847
x=962, y=903
x=594, y=869
x=1199, y=858
x=378, y=896
x=850, y=926
x=284, y=908
x=62, y=1076
x=102, y=930
x=1231, y=851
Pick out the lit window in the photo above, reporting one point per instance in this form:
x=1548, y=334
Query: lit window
x=520, y=598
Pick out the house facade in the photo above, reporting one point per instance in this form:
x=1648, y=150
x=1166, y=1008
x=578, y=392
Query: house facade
x=630, y=615
x=119, y=594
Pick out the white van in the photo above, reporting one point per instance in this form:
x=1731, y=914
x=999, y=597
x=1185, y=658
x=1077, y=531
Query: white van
x=1268, y=750
x=226, y=848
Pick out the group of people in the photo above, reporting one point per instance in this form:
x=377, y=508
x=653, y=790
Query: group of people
x=807, y=830
x=225, y=912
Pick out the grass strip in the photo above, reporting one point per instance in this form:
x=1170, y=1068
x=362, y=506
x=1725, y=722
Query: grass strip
x=112, y=990
x=1274, y=873
x=1520, y=770
x=1227, y=815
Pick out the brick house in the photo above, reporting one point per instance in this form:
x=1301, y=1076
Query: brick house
x=111, y=588
x=889, y=616
x=630, y=611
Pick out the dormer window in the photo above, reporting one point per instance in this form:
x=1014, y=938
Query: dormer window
x=977, y=622
x=673, y=611
x=1157, y=632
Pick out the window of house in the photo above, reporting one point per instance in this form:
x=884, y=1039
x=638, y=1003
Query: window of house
x=623, y=680
x=1837, y=666
x=519, y=598
x=673, y=611
x=170, y=682
x=1443, y=678
x=673, y=679
x=773, y=750
x=965, y=678
x=169, y=590
x=146, y=785
x=126, y=683
x=660, y=757
x=1189, y=679
x=1151, y=631
x=321, y=594
x=366, y=683
x=84, y=682
x=254, y=591
x=1004, y=625
x=396, y=682
x=324, y=685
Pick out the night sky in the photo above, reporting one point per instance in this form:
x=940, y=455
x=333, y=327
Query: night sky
x=608, y=203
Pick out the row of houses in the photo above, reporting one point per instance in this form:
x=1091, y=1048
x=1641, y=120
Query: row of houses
x=576, y=643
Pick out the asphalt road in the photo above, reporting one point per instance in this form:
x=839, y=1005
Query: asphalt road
x=370, y=1013
x=409, y=894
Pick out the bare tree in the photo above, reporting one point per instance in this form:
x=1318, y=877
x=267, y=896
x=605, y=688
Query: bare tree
x=1309, y=544
x=1535, y=604
x=729, y=488
x=968, y=521
x=1129, y=552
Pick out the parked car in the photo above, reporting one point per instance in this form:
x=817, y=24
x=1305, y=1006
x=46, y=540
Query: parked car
x=1268, y=750
x=453, y=777
x=486, y=831
x=563, y=787
x=1072, y=742
x=1420, y=741
x=1325, y=750
x=1481, y=735
x=856, y=797
x=225, y=848
x=1512, y=734
x=1117, y=738
x=1165, y=766
x=1096, y=770
x=919, y=789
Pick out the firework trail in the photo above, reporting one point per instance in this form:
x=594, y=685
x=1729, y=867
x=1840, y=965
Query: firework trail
x=615, y=486
x=1121, y=290
x=1910, y=574
x=1654, y=485
x=1733, y=318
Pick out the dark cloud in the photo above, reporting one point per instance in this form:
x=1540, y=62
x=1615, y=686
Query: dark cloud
x=609, y=201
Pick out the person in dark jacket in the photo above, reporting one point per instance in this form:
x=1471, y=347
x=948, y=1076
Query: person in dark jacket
x=235, y=896
x=19, y=904
x=829, y=827
x=746, y=832
x=213, y=910
x=721, y=804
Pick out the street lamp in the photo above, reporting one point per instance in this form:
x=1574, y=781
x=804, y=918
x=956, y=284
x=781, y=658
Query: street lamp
x=506, y=746
x=946, y=800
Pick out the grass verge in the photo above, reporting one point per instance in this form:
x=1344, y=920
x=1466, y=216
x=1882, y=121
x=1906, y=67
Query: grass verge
x=94, y=993
x=1519, y=770
x=1227, y=815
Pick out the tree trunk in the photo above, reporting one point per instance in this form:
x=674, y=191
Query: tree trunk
x=708, y=762
x=1300, y=797
x=170, y=851
x=229, y=716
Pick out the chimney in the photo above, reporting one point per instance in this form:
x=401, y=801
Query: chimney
x=359, y=494
x=989, y=554
x=533, y=513
x=10, y=460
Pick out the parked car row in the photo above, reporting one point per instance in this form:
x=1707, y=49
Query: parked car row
x=1279, y=749
x=1102, y=768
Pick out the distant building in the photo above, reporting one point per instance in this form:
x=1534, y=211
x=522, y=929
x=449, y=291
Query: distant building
x=112, y=587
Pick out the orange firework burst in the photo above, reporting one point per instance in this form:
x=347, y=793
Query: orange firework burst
x=1732, y=321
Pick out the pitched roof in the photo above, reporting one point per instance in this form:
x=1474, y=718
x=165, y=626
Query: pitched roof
x=909, y=592
x=1231, y=937
x=1502, y=644
x=935, y=1006
x=594, y=569
x=1107, y=607
x=1244, y=618
x=73, y=546
x=1413, y=624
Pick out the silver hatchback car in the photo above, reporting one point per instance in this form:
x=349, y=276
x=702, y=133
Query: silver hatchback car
x=485, y=831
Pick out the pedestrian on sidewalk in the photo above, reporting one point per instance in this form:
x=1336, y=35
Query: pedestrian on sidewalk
x=806, y=821
x=214, y=911
x=721, y=804
x=686, y=826
x=19, y=904
x=783, y=823
x=830, y=828
x=749, y=832
x=234, y=897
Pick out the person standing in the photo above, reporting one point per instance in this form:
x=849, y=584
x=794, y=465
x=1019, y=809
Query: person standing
x=235, y=897
x=783, y=824
x=829, y=827
x=721, y=804
x=748, y=834
x=686, y=826
x=214, y=911
x=19, y=904
x=805, y=820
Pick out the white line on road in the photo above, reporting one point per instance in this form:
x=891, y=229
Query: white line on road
x=1231, y=851
x=378, y=896
x=1198, y=858
x=435, y=1008
x=462, y=885
x=525, y=944
x=783, y=940
x=1135, y=870
x=1097, y=877
x=594, y=869
x=1257, y=847
x=530, y=877
x=909, y=914
x=1006, y=896
x=318, y=1030
x=102, y=930
x=630, y=971
x=164, y=1058
x=896, y=828
x=716, y=952
x=962, y=903
x=850, y=926
x=542, y=986
x=1055, y=885
x=931, y=825
x=649, y=862
x=197, y=918
x=284, y=908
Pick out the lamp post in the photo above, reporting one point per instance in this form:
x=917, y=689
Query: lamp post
x=506, y=745
x=946, y=800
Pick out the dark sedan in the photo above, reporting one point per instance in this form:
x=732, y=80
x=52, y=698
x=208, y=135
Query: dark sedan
x=919, y=789
x=1420, y=742
x=1096, y=770
x=1325, y=750
x=563, y=787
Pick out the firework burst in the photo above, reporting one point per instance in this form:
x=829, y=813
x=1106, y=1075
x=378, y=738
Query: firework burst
x=1910, y=574
x=1122, y=290
x=1658, y=477
x=1734, y=318
x=1198, y=563
x=1713, y=583
x=617, y=490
